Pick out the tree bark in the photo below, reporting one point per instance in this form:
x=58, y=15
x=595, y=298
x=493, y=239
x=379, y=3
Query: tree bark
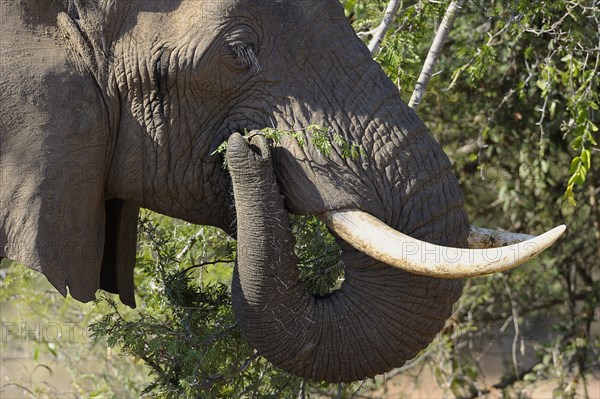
x=382, y=29
x=434, y=52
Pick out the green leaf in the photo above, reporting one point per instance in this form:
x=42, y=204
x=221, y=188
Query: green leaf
x=586, y=159
x=575, y=165
x=552, y=109
x=52, y=348
x=567, y=57
x=582, y=116
x=221, y=149
x=570, y=196
x=581, y=175
x=542, y=84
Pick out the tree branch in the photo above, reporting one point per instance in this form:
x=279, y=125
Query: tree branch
x=379, y=33
x=190, y=244
x=434, y=52
x=215, y=262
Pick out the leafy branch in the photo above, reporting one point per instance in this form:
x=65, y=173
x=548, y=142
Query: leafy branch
x=323, y=139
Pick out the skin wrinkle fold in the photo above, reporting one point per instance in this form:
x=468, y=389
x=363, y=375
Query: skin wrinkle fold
x=305, y=338
x=346, y=336
x=328, y=336
x=427, y=223
x=336, y=339
x=376, y=310
x=395, y=294
x=419, y=286
x=415, y=195
x=351, y=287
x=275, y=344
x=282, y=344
x=404, y=312
x=322, y=342
x=330, y=333
x=351, y=332
x=340, y=338
x=306, y=315
x=374, y=116
x=236, y=99
x=357, y=169
x=355, y=334
x=385, y=347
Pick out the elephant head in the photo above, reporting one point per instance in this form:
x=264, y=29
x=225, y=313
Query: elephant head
x=159, y=86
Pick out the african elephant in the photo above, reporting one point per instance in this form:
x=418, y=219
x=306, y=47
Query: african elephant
x=108, y=106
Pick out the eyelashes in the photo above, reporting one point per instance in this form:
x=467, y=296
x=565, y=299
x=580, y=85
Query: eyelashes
x=247, y=57
x=242, y=41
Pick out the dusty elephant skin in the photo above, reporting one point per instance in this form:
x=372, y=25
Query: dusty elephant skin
x=108, y=106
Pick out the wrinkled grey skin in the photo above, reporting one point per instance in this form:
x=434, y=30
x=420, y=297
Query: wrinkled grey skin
x=110, y=106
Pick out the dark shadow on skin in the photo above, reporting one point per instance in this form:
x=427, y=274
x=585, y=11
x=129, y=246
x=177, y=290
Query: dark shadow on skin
x=346, y=189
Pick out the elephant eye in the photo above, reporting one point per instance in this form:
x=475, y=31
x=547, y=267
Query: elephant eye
x=242, y=42
x=247, y=57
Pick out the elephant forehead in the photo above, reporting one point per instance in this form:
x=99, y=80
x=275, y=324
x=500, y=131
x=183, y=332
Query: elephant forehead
x=194, y=25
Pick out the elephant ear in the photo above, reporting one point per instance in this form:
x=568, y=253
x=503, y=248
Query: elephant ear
x=89, y=26
x=55, y=148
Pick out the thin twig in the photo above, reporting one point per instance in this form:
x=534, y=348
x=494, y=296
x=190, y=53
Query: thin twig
x=358, y=389
x=206, y=264
x=515, y=318
x=382, y=29
x=190, y=244
x=434, y=52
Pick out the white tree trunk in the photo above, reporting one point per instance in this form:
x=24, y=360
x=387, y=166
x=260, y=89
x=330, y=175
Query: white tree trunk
x=434, y=52
x=382, y=29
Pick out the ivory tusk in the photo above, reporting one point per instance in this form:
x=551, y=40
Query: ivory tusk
x=376, y=239
x=486, y=238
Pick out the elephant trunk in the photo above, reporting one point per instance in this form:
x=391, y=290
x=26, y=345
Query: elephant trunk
x=377, y=320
